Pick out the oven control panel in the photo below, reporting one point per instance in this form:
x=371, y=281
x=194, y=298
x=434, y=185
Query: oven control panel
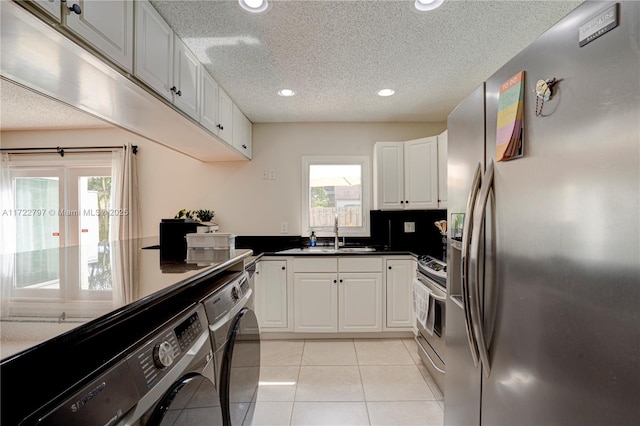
x=433, y=268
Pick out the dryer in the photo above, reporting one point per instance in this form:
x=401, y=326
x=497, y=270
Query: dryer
x=235, y=337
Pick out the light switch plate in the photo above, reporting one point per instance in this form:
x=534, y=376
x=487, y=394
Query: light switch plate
x=409, y=227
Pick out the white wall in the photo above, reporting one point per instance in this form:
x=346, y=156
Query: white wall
x=245, y=204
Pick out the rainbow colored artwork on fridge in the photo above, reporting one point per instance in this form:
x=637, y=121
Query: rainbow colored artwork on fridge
x=510, y=113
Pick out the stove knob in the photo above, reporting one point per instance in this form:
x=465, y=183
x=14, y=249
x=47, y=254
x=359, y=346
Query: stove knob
x=163, y=355
x=235, y=294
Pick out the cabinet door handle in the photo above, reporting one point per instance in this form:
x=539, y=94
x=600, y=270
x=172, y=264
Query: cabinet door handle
x=219, y=126
x=75, y=9
x=335, y=281
x=401, y=202
x=340, y=280
x=244, y=146
x=407, y=201
x=283, y=268
x=389, y=267
x=175, y=90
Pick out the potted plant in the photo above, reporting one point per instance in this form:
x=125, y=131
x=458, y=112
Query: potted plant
x=186, y=215
x=205, y=216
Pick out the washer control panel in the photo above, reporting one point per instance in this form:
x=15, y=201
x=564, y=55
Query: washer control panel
x=224, y=302
x=160, y=353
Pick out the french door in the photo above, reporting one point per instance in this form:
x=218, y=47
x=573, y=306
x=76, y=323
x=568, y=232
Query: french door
x=55, y=208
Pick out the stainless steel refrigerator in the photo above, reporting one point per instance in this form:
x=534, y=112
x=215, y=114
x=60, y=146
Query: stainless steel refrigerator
x=543, y=314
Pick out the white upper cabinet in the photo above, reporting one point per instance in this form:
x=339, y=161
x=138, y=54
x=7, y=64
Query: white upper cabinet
x=242, y=132
x=154, y=49
x=52, y=8
x=208, y=101
x=107, y=25
x=388, y=177
x=225, y=117
x=135, y=49
x=442, y=170
x=406, y=174
x=186, y=77
x=222, y=117
x=421, y=173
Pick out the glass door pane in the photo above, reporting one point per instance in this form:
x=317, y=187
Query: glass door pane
x=94, y=204
x=37, y=222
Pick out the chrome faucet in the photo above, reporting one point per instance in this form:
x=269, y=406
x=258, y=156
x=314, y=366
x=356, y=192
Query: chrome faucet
x=336, y=241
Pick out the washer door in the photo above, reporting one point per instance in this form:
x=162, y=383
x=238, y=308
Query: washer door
x=192, y=400
x=240, y=369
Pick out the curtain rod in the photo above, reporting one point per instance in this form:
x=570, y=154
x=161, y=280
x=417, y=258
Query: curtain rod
x=72, y=150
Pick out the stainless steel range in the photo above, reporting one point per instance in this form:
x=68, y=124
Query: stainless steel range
x=430, y=295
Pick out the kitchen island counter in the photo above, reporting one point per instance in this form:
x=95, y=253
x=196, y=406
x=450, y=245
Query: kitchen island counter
x=100, y=303
x=32, y=314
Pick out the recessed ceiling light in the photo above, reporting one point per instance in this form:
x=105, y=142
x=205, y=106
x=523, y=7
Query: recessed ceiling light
x=286, y=92
x=425, y=5
x=386, y=92
x=254, y=6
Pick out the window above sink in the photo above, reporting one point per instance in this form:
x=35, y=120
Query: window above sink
x=333, y=185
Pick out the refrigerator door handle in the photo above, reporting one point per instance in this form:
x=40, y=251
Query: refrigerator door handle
x=464, y=262
x=474, y=268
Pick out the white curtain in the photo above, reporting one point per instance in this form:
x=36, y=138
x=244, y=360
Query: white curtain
x=7, y=218
x=125, y=226
x=7, y=233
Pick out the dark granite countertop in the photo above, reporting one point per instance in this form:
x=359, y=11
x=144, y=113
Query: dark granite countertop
x=65, y=326
x=342, y=251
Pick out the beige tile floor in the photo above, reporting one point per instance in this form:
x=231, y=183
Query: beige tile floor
x=345, y=382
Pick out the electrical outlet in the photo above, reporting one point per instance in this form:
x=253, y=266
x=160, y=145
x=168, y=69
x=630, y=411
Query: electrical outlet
x=272, y=175
x=409, y=227
x=284, y=227
x=265, y=174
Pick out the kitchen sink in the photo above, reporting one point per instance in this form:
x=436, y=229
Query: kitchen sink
x=355, y=249
x=331, y=250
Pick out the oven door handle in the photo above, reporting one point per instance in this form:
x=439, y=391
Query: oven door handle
x=464, y=262
x=439, y=298
x=474, y=268
x=428, y=356
x=434, y=290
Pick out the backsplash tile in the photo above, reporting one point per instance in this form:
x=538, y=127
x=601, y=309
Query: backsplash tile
x=387, y=229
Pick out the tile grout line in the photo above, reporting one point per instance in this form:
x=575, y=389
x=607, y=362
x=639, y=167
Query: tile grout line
x=293, y=404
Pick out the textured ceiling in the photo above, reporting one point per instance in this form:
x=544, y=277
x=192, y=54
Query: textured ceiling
x=336, y=55
x=22, y=109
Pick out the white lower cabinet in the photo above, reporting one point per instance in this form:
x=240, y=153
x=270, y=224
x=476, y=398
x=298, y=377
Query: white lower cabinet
x=315, y=302
x=360, y=302
x=329, y=294
x=272, y=295
x=337, y=294
x=399, y=294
